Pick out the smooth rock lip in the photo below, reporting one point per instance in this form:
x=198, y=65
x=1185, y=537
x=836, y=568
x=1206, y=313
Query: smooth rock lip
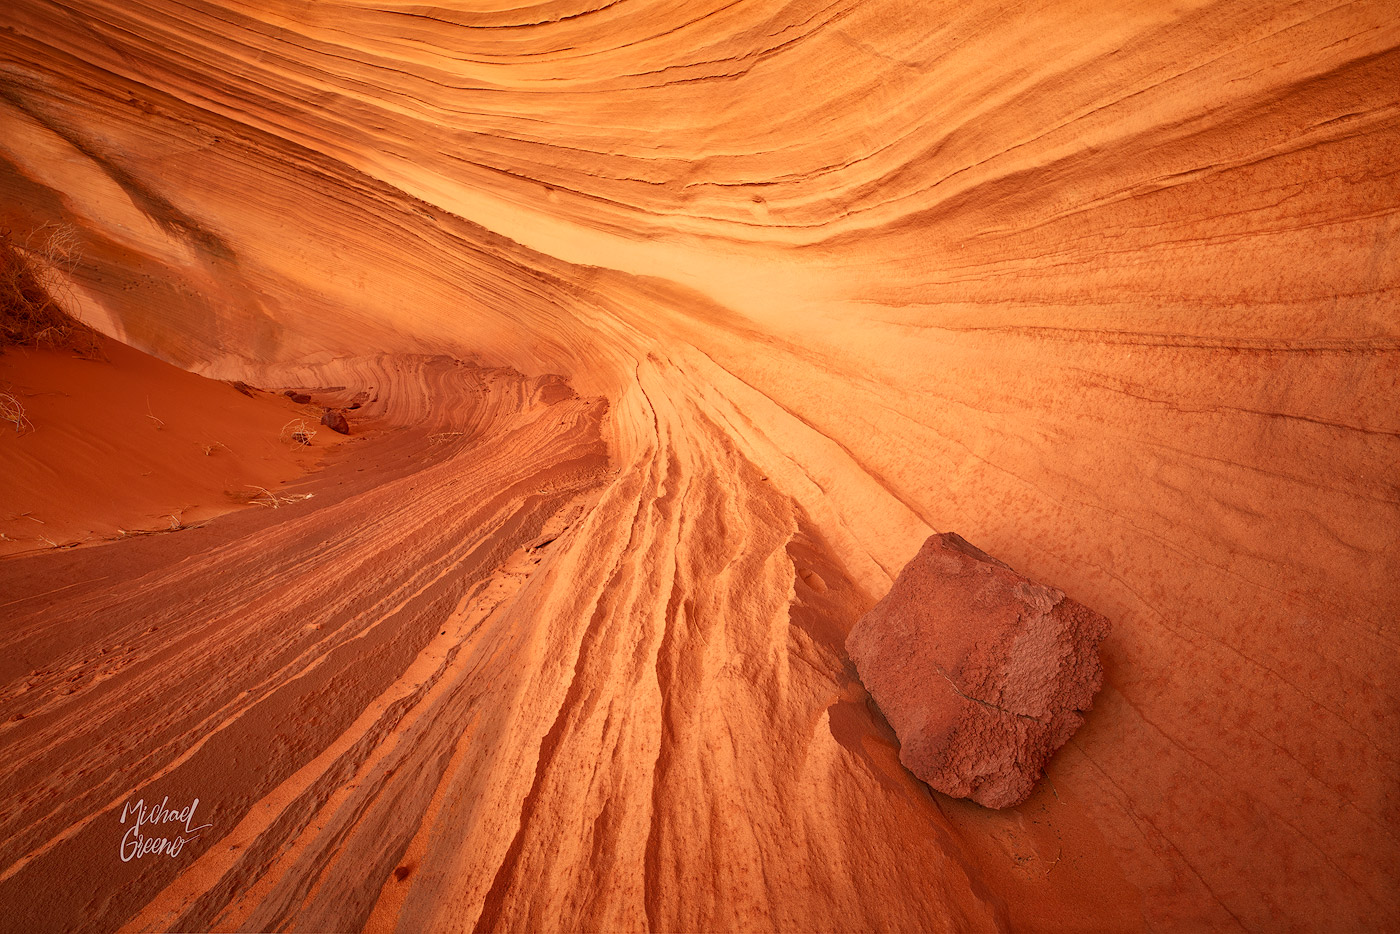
x=982, y=672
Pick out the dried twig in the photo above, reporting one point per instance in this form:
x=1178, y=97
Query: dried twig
x=149, y=414
x=11, y=410
x=276, y=500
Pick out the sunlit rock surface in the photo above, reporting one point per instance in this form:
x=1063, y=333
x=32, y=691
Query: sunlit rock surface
x=754, y=297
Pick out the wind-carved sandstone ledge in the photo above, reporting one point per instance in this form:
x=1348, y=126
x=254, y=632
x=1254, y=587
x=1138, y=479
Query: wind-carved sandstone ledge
x=982, y=673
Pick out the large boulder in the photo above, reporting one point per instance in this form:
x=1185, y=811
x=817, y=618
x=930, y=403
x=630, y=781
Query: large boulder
x=335, y=420
x=982, y=672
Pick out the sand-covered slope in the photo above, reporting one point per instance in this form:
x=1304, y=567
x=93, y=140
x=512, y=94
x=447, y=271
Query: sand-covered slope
x=113, y=443
x=1109, y=289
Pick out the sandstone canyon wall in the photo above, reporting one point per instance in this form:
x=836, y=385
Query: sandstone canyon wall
x=1110, y=289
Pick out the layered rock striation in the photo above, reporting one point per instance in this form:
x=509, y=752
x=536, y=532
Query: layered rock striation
x=1108, y=288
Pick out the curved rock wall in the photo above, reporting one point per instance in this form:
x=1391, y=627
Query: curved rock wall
x=1109, y=289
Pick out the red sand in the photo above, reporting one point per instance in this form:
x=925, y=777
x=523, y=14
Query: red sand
x=123, y=443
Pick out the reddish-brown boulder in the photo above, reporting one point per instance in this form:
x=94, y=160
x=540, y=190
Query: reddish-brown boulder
x=335, y=420
x=982, y=672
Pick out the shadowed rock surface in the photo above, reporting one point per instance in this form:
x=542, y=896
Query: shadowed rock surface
x=982, y=672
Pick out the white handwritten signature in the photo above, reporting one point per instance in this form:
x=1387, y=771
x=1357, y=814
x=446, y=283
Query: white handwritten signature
x=136, y=845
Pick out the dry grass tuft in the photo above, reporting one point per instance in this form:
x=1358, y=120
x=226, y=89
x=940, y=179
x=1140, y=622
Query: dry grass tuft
x=11, y=410
x=297, y=431
x=32, y=276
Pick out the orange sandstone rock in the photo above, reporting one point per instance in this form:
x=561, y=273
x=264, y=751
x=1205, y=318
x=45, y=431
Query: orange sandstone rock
x=982, y=673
